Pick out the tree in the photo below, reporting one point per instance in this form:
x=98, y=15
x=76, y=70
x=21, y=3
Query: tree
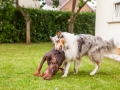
x=9, y=4
x=74, y=15
x=28, y=21
x=9, y=7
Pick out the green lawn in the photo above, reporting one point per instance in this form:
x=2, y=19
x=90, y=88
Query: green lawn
x=19, y=61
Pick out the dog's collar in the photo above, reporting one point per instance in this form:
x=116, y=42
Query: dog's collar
x=52, y=63
x=61, y=68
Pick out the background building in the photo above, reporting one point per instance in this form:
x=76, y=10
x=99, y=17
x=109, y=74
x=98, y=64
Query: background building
x=29, y=3
x=66, y=5
x=107, y=18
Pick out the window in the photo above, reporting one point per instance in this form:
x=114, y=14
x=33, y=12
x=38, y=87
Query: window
x=116, y=12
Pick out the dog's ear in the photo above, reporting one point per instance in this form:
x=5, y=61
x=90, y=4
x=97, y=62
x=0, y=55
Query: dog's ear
x=58, y=33
x=54, y=59
x=52, y=38
x=46, y=58
x=53, y=56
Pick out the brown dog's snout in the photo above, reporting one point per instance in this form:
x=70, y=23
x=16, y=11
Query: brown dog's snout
x=46, y=76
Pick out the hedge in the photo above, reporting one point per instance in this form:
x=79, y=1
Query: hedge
x=44, y=24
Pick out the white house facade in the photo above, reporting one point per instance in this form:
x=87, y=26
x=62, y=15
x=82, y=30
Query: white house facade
x=107, y=19
x=29, y=3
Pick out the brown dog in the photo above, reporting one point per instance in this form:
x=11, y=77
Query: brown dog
x=54, y=60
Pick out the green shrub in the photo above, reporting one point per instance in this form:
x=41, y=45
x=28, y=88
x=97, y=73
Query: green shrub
x=8, y=31
x=85, y=23
x=44, y=24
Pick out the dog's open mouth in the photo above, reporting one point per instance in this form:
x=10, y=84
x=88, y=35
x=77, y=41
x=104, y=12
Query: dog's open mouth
x=60, y=48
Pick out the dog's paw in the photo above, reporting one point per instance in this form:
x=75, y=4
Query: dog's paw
x=92, y=73
x=64, y=76
x=75, y=73
x=36, y=73
x=40, y=75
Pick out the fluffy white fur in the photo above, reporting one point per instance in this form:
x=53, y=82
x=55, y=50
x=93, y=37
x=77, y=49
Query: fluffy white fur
x=71, y=52
x=117, y=41
x=92, y=46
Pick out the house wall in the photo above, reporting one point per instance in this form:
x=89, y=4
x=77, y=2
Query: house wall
x=29, y=3
x=105, y=27
x=68, y=7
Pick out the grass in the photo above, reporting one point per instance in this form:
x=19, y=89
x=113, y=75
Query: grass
x=19, y=61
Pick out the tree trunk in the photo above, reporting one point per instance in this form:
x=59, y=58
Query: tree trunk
x=71, y=22
x=71, y=26
x=28, y=21
x=74, y=15
x=28, y=41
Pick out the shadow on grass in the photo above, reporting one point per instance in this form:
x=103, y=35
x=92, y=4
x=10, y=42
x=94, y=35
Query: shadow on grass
x=84, y=74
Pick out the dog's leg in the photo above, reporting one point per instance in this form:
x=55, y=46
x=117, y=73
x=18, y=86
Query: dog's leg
x=96, y=57
x=64, y=65
x=97, y=66
x=76, y=65
x=62, y=70
x=66, y=69
x=37, y=72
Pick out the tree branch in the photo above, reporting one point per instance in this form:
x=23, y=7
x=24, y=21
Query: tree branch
x=25, y=15
x=73, y=6
x=73, y=9
x=76, y=14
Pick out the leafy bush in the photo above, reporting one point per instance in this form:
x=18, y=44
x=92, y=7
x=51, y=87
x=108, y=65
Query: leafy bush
x=44, y=24
x=85, y=23
x=7, y=29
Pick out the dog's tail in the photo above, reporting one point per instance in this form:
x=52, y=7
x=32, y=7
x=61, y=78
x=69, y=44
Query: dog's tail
x=117, y=41
x=115, y=54
x=113, y=43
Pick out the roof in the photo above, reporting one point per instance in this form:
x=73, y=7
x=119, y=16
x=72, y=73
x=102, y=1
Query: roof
x=48, y=5
x=92, y=4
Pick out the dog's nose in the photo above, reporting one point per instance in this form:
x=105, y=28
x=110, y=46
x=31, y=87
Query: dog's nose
x=47, y=78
